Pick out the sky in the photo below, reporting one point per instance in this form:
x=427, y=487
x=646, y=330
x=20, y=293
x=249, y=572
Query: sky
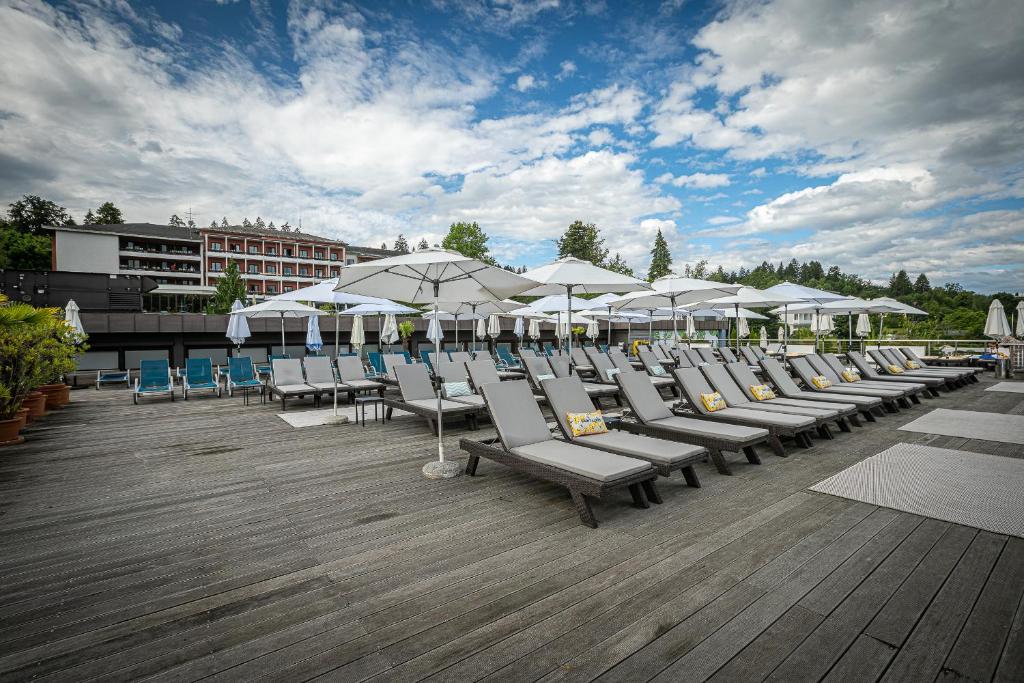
x=870, y=134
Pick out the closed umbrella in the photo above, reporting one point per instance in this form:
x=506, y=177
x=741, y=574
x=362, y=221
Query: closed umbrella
x=996, y=324
x=493, y=326
x=691, y=327
x=592, y=329
x=358, y=337
x=1020, y=319
x=314, y=342
x=742, y=329
x=534, y=332
x=863, y=325
x=518, y=329
x=74, y=320
x=238, y=325
x=481, y=331
x=429, y=276
x=763, y=338
x=434, y=332
x=389, y=332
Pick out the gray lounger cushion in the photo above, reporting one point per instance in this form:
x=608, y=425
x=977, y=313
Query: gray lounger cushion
x=715, y=430
x=431, y=404
x=657, y=450
x=579, y=460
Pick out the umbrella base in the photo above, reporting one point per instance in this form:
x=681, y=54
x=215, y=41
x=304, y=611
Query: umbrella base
x=442, y=470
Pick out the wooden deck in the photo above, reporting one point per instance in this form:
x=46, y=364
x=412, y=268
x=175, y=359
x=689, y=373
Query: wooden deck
x=207, y=539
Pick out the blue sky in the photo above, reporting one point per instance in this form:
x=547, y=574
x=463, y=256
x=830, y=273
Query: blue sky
x=872, y=135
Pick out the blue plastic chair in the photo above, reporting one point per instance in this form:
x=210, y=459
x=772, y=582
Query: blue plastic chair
x=242, y=375
x=408, y=357
x=603, y=347
x=425, y=357
x=376, y=362
x=154, y=379
x=199, y=377
x=548, y=349
x=506, y=359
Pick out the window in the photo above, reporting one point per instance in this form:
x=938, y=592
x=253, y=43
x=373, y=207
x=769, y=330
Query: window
x=254, y=268
x=235, y=249
x=349, y=261
x=319, y=272
x=216, y=246
x=216, y=267
x=334, y=257
x=271, y=251
x=304, y=272
x=287, y=252
x=303, y=253
x=287, y=270
x=335, y=272
x=271, y=269
x=253, y=249
x=288, y=288
x=318, y=255
x=271, y=289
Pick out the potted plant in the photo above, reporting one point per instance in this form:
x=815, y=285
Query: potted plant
x=405, y=330
x=19, y=358
x=58, y=345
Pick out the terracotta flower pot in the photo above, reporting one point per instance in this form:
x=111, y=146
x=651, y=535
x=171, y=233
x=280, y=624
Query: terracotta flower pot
x=36, y=404
x=22, y=417
x=56, y=395
x=9, y=432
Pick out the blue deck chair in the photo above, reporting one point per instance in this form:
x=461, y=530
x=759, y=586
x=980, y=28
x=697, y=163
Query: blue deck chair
x=425, y=357
x=603, y=347
x=154, y=379
x=408, y=356
x=242, y=375
x=507, y=360
x=548, y=348
x=199, y=377
x=112, y=377
x=376, y=362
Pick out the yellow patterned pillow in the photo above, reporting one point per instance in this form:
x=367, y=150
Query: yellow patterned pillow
x=581, y=424
x=895, y=369
x=911, y=365
x=713, y=401
x=761, y=392
x=821, y=381
x=851, y=375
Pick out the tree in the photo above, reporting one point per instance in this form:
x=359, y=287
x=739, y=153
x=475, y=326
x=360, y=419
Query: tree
x=286, y=227
x=811, y=271
x=384, y=246
x=224, y=222
x=175, y=221
x=90, y=218
x=270, y=226
x=229, y=287
x=469, y=240
x=921, y=284
x=259, y=224
x=583, y=241
x=700, y=271
x=423, y=244
x=23, y=250
x=900, y=284
x=108, y=214
x=31, y=213
x=661, y=259
x=401, y=245
x=618, y=265
x=213, y=223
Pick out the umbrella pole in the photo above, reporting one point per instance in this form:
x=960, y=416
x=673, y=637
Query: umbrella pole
x=650, y=328
x=456, y=329
x=785, y=331
x=472, y=329
x=817, y=326
x=609, y=327
x=881, y=317
x=737, y=328
x=284, y=351
x=675, y=328
x=849, y=332
x=337, y=331
x=568, y=305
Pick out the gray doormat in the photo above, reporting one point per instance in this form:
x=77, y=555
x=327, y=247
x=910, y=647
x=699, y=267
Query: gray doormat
x=973, y=489
x=1011, y=387
x=970, y=424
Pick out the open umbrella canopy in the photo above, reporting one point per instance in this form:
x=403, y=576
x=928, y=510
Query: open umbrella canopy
x=751, y=297
x=581, y=276
x=673, y=291
x=530, y=314
x=383, y=308
x=744, y=313
x=279, y=308
x=74, y=320
x=480, y=308
x=599, y=302
x=893, y=306
x=314, y=342
x=445, y=315
x=996, y=324
x=802, y=293
x=621, y=316
x=326, y=293
x=560, y=302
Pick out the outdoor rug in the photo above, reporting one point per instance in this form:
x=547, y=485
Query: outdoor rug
x=1011, y=387
x=970, y=424
x=315, y=418
x=972, y=489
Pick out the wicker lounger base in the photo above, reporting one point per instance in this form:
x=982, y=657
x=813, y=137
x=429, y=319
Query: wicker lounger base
x=800, y=436
x=715, y=446
x=641, y=486
x=470, y=413
x=284, y=395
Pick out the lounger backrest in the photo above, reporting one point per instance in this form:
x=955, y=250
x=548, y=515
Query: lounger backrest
x=912, y=355
x=414, y=382
x=682, y=360
x=660, y=352
x=749, y=355
x=744, y=378
x=861, y=364
x=618, y=358
x=724, y=384
x=560, y=366
x=527, y=353
x=392, y=361
x=240, y=369
x=693, y=384
x=284, y=371
x=515, y=413
x=154, y=373
x=537, y=366
x=318, y=369
x=779, y=377
x=591, y=353
x=460, y=357
x=650, y=362
x=482, y=372
x=758, y=352
x=708, y=355
x=891, y=356
x=199, y=370
x=566, y=395
x=579, y=356
x=834, y=363
x=822, y=368
x=350, y=368
x=693, y=356
x=601, y=366
x=727, y=354
x=643, y=398
x=878, y=357
x=803, y=370
x=449, y=371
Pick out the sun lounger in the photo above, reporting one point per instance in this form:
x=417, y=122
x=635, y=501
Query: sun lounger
x=693, y=357
x=320, y=374
x=418, y=397
x=868, y=372
x=390, y=361
x=723, y=382
x=623, y=364
x=966, y=373
x=749, y=356
x=242, y=377
x=663, y=355
x=526, y=445
x=787, y=387
x=693, y=383
x=580, y=361
x=154, y=380
x=655, y=419
x=805, y=372
x=904, y=395
x=287, y=381
x=539, y=366
x=352, y=377
x=708, y=355
x=919, y=385
x=727, y=354
x=746, y=379
x=566, y=395
x=446, y=370
x=887, y=360
x=112, y=377
x=199, y=377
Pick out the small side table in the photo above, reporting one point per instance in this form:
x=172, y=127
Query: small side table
x=361, y=402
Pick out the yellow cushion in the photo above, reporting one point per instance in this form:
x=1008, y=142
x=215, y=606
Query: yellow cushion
x=581, y=424
x=851, y=375
x=761, y=392
x=713, y=401
x=911, y=365
x=821, y=381
x=895, y=369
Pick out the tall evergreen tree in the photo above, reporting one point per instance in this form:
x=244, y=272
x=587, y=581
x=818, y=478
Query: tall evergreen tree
x=229, y=287
x=31, y=213
x=108, y=214
x=213, y=223
x=661, y=259
x=246, y=223
x=583, y=241
x=921, y=284
x=619, y=265
x=900, y=284
x=175, y=221
x=259, y=224
x=90, y=218
x=270, y=226
x=469, y=240
x=223, y=222
x=423, y=244
x=401, y=245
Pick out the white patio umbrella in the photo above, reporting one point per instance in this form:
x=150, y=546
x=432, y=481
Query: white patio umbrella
x=493, y=326
x=763, y=338
x=476, y=310
x=314, y=342
x=518, y=329
x=534, y=332
x=802, y=293
x=569, y=274
x=389, y=332
x=454, y=317
x=624, y=316
x=279, y=308
x=325, y=293
x=751, y=297
x=996, y=324
x=674, y=291
x=357, y=337
x=563, y=326
x=74, y=320
x=863, y=325
x=429, y=276
x=890, y=305
x=592, y=329
x=238, y=325
x=1019, y=312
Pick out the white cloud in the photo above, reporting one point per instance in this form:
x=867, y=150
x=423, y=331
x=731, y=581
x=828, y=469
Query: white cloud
x=600, y=137
x=566, y=69
x=525, y=82
x=723, y=220
x=702, y=180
